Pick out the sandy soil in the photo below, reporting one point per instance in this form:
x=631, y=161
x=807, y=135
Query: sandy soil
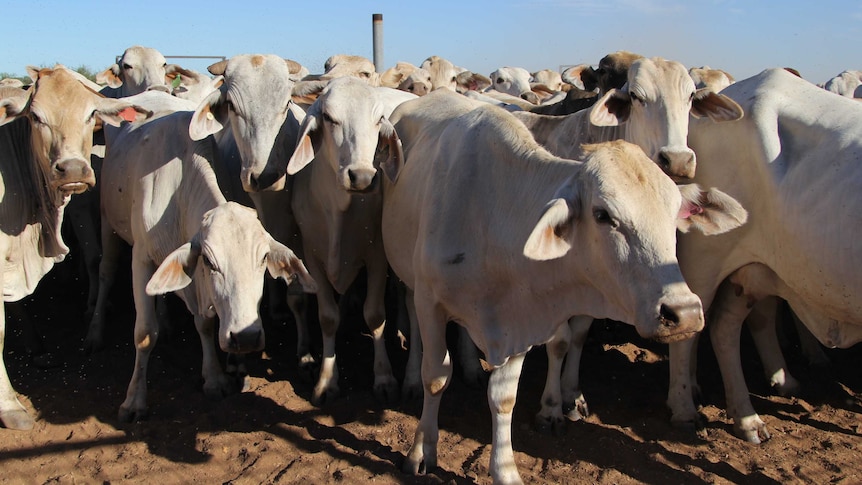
x=272, y=434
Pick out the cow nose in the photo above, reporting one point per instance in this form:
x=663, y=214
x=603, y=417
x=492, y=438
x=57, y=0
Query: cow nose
x=682, y=315
x=677, y=163
x=247, y=340
x=360, y=179
x=73, y=168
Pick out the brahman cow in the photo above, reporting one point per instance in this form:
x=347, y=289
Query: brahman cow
x=845, y=84
x=46, y=135
x=337, y=203
x=487, y=228
x=444, y=74
x=707, y=77
x=407, y=77
x=257, y=126
x=800, y=149
x=160, y=195
x=138, y=69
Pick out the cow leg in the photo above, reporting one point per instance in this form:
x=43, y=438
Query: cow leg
x=436, y=376
x=683, y=385
x=728, y=312
x=811, y=347
x=329, y=316
x=134, y=408
x=374, y=309
x=12, y=413
x=550, y=417
x=112, y=245
x=412, y=387
x=85, y=226
x=468, y=358
x=761, y=322
x=298, y=305
x=502, y=391
x=574, y=403
x=217, y=383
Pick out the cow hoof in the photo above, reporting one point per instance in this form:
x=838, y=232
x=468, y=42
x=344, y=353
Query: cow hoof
x=17, y=419
x=413, y=467
x=550, y=425
x=131, y=415
x=696, y=424
x=387, y=391
x=320, y=398
x=751, y=429
x=579, y=409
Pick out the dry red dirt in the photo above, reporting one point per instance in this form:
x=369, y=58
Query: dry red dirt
x=272, y=434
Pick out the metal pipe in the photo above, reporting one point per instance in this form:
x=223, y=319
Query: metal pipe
x=377, y=32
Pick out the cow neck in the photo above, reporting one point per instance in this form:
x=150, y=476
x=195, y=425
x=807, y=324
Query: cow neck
x=199, y=189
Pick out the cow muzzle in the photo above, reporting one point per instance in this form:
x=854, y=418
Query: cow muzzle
x=677, y=162
x=73, y=176
x=362, y=180
x=678, y=321
x=250, y=339
x=262, y=182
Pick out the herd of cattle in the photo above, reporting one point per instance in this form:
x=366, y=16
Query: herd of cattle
x=521, y=206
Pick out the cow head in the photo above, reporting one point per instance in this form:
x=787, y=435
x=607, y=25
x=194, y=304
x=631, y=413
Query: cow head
x=621, y=213
x=226, y=259
x=62, y=114
x=254, y=100
x=138, y=69
x=656, y=103
x=347, y=125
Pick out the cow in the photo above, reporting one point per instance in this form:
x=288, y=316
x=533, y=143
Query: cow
x=138, y=69
x=707, y=77
x=487, y=228
x=407, y=77
x=612, y=73
x=846, y=84
x=257, y=124
x=799, y=147
x=651, y=110
x=46, y=135
x=337, y=205
x=516, y=81
x=160, y=195
x=444, y=74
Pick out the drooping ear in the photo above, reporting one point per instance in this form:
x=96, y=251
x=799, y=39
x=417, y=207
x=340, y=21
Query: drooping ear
x=389, y=138
x=471, y=81
x=553, y=234
x=211, y=113
x=174, y=72
x=304, y=152
x=13, y=102
x=582, y=76
x=175, y=272
x=307, y=92
x=281, y=262
x=710, y=212
x=110, y=76
x=612, y=109
x=114, y=111
x=717, y=106
x=218, y=68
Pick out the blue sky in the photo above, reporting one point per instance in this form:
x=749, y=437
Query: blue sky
x=742, y=37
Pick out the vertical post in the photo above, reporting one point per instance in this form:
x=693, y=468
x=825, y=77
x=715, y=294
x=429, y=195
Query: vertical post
x=377, y=30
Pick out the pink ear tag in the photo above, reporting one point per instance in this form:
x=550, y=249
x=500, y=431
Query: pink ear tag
x=128, y=114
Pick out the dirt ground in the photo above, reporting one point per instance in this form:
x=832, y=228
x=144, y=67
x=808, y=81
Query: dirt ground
x=272, y=434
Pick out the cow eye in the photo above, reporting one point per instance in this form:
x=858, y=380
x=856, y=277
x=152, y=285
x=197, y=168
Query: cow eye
x=635, y=97
x=208, y=263
x=329, y=119
x=602, y=217
x=126, y=66
x=36, y=119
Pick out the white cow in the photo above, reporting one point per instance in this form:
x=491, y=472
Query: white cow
x=138, y=69
x=488, y=229
x=519, y=82
x=845, y=84
x=46, y=135
x=651, y=110
x=407, y=77
x=444, y=74
x=337, y=204
x=161, y=197
x=794, y=162
x=257, y=125
x=707, y=77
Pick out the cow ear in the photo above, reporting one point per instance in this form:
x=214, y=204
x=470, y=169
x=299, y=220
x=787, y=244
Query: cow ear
x=114, y=111
x=717, y=107
x=211, y=113
x=175, y=272
x=471, y=81
x=613, y=109
x=389, y=138
x=11, y=107
x=553, y=234
x=710, y=212
x=110, y=76
x=582, y=76
x=281, y=262
x=304, y=152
